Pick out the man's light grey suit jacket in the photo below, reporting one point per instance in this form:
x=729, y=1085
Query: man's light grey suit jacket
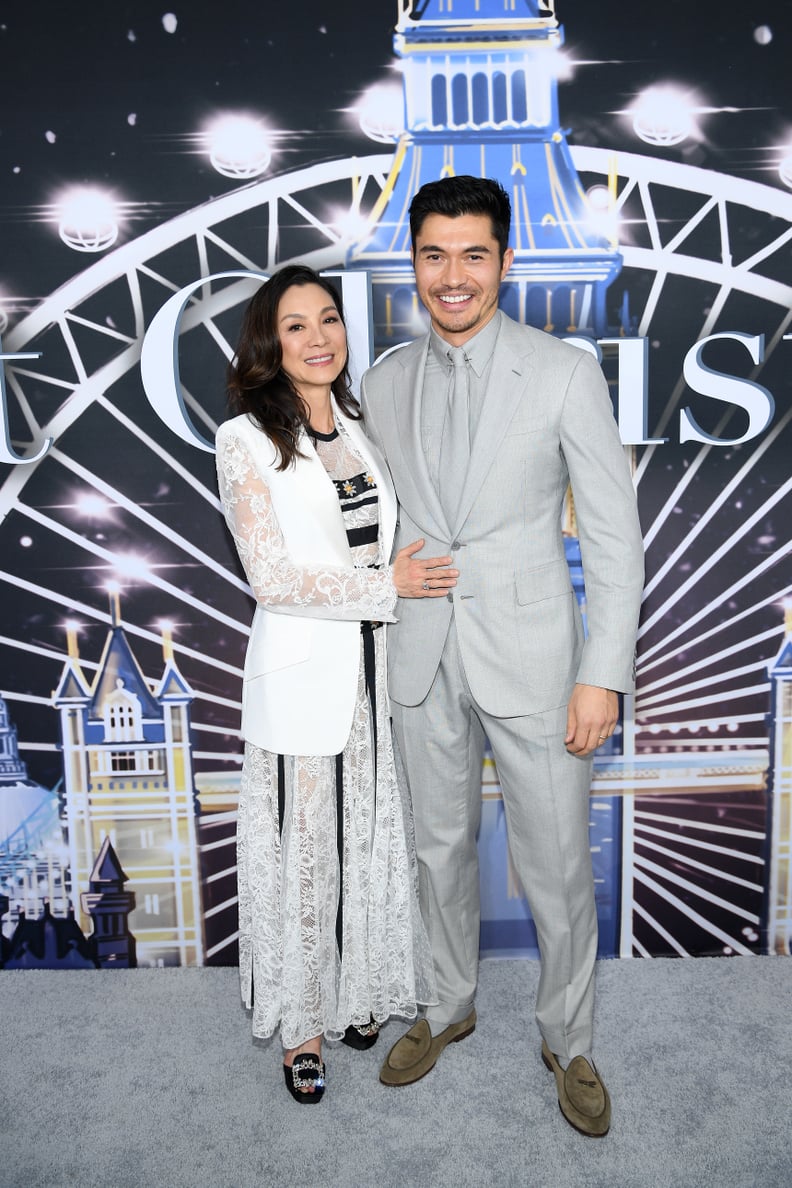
x=546, y=421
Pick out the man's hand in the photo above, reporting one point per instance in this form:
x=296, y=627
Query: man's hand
x=422, y=577
x=591, y=717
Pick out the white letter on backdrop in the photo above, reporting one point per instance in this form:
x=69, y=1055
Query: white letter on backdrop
x=159, y=361
x=633, y=389
x=745, y=393
x=7, y=451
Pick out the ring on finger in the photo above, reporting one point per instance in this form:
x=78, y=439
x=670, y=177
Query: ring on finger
x=425, y=584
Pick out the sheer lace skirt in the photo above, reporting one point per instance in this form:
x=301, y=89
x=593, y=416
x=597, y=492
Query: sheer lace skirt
x=294, y=974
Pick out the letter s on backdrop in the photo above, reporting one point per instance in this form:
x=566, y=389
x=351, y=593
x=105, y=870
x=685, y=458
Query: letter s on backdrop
x=755, y=400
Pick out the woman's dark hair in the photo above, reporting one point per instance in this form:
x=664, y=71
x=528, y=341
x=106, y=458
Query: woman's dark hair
x=257, y=383
x=463, y=195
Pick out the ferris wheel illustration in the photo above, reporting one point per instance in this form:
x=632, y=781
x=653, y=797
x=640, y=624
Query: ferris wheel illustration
x=142, y=509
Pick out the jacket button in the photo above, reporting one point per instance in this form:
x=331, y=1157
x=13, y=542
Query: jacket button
x=455, y=544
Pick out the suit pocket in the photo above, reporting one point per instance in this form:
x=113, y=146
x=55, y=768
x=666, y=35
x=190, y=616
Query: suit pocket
x=277, y=641
x=545, y=581
x=520, y=425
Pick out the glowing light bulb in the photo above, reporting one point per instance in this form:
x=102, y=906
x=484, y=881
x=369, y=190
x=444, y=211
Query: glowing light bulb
x=785, y=170
x=381, y=112
x=239, y=146
x=663, y=117
x=92, y=505
x=88, y=220
x=350, y=224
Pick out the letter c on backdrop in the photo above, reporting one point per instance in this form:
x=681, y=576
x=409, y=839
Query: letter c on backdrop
x=159, y=360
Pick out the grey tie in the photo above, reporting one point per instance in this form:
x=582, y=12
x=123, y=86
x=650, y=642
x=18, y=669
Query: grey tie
x=455, y=449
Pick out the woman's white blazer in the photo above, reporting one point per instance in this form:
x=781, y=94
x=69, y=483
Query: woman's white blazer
x=301, y=671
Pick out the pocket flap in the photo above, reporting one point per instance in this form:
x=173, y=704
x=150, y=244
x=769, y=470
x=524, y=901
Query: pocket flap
x=546, y=581
x=277, y=641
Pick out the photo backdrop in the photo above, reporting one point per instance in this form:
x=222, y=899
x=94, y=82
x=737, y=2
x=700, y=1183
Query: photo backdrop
x=156, y=165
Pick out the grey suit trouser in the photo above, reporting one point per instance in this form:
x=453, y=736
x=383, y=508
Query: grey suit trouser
x=546, y=799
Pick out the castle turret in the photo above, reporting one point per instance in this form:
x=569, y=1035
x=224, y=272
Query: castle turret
x=128, y=758
x=109, y=905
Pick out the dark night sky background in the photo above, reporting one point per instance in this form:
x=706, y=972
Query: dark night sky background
x=79, y=69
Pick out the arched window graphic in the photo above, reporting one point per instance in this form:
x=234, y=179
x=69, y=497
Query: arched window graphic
x=439, y=100
x=480, y=99
x=459, y=99
x=122, y=716
x=536, y=306
x=519, y=101
x=500, y=108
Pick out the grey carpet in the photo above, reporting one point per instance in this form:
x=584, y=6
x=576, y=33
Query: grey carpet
x=142, y=1078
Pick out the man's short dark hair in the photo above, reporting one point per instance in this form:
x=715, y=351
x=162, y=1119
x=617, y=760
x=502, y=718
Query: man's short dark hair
x=455, y=196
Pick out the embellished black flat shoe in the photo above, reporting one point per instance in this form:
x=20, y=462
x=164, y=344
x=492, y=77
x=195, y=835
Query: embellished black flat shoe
x=361, y=1038
x=307, y=1070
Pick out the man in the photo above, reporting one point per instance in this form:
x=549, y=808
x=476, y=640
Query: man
x=484, y=424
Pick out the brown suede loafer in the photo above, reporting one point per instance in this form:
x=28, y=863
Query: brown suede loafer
x=582, y=1096
x=416, y=1053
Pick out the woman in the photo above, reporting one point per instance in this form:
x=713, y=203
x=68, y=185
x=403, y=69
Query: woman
x=331, y=941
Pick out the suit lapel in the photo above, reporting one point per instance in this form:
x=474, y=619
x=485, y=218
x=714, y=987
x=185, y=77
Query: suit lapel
x=416, y=490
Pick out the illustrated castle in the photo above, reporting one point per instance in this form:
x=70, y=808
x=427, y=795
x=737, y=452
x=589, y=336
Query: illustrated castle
x=128, y=777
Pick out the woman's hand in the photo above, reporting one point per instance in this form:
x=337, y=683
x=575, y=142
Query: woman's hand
x=422, y=577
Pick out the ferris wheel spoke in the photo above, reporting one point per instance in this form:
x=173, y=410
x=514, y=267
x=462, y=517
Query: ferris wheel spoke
x=98, y=329
x=767, y=251
x=775, y=597
x=661, y=931
x=164, y=531
x=642, y=825
x=115, y=562
x=713, y=872
x=687, y=911
x=101, y=618
x=644, y=703
x=746, y=579
x=229, y=250
x=692, y=223
x=692, y=888
x=723, y=695
x=715, y=557
x=160, y=452
x=220, y=339
x=709, y=660
x=722, y=499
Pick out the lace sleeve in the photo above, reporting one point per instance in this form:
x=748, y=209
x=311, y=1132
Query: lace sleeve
x=277, y=582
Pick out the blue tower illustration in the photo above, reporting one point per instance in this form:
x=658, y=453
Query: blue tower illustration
x=481, y=98
x=128, y=776
x=480, y=94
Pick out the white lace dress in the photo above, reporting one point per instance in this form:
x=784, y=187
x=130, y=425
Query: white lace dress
x=330, y=929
